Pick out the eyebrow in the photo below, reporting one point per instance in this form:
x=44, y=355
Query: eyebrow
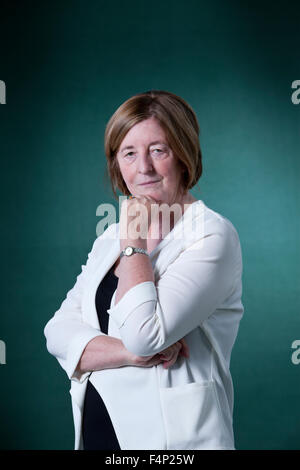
x=151, y=143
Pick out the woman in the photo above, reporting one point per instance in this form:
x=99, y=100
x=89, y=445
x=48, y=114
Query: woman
x=146, y=333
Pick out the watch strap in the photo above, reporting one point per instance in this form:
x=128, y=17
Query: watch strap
x=134, y=250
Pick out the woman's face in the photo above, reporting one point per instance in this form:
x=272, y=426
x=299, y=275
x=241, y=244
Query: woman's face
x=149, y=159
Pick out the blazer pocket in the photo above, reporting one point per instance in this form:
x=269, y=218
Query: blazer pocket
x=192, y=416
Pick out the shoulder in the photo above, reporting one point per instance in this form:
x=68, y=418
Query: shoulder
x=216, y=222
x=226, y=238
x=214, y=233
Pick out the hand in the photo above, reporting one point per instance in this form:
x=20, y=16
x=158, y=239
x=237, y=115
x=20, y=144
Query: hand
x=135, y=221
x=168, y=356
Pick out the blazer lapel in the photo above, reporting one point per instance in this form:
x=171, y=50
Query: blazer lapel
x=89, y=311
x=186, y=231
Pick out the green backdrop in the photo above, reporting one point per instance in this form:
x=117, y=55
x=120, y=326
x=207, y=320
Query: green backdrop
x=67, y=66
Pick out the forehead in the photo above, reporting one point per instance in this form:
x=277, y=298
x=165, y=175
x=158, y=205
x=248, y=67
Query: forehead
x=145, y=132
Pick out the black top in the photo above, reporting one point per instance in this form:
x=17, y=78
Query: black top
x=97, y=429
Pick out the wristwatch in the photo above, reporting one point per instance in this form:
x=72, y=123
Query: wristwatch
x=130, y=250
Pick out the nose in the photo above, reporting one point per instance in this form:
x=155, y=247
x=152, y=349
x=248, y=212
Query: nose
x=145, y=163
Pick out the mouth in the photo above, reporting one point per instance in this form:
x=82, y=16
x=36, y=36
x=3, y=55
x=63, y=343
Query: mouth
x=150, y=183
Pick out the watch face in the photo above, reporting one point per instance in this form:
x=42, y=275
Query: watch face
x=128, y=251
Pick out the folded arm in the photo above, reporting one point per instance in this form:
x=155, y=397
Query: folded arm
x=66, y=333
x=151, y=317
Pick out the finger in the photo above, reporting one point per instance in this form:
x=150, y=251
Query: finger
x=166, y=357
x=177, y=348
x=185, y=349
x=170, y=363
x=153, y=360
x=185, y=353
x=168, y=353
x=183, y=342
x=174, y=349
x=171, y=360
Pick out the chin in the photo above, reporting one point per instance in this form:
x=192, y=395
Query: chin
x=157, y=195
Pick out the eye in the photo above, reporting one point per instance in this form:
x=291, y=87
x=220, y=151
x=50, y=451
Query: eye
x=128, y=154
x=159, y=152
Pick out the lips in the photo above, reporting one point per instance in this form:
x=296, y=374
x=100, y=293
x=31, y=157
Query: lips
x=149, y=182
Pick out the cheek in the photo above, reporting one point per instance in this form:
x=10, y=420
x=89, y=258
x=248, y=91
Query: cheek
x=126, y=172
x=165, y=169
x=170, y=173
x=130, y=175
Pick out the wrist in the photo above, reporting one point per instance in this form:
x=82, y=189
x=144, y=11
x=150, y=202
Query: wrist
x=137, y=243
x=127, y=357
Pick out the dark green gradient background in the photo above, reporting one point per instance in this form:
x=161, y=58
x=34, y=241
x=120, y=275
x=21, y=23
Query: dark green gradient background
x=67, y=66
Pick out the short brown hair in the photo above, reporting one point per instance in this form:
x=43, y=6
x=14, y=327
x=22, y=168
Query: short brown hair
x=177, y=119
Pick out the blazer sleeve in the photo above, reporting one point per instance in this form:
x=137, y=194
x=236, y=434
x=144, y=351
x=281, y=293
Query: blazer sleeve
x=66, y=333
x=152, y=317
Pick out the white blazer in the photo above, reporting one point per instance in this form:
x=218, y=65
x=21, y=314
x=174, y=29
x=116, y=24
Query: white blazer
x=196, y=295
